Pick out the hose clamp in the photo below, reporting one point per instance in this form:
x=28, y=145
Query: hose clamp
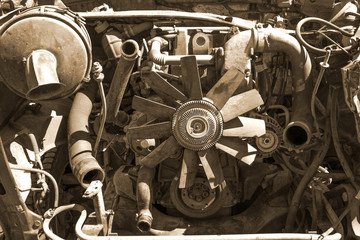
x=260, y=37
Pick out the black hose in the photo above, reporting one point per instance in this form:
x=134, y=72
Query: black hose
x=336, y=176
x=310, y=172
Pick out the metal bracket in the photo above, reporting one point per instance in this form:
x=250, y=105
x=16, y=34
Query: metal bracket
x=94, y=192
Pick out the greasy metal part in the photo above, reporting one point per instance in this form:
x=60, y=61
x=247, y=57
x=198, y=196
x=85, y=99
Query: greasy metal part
x=99, y=77
x=237, y=52
x=43, y=70
x=201, y=43
x=111, y=42
x=165, y=150
x=324, y=65
x=269, y=143
x=13, y=210
x=198, y=200
x=197, y=125
x=94, y=191
x=166, y=14
x=157, y=57
x=83, y=164
x=317, y=159
x=129, y=54
x=182, y=42
x=41, y=176
x=143, y=196
x=113, y=39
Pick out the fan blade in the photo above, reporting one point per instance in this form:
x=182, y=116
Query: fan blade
x=166, y=149
x=241, y=104
x=244, y=127
x=189, y=169
x=190, y=78
x=164, y=88
x=237, y=148
x=155, y=109
x=156, y=130
x=225, y=87
x=211, y=163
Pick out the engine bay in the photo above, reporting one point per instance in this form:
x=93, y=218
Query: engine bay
x=172, y=119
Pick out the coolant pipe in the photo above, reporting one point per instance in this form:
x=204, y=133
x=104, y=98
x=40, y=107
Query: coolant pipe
x=298, y=132
x=129, y=54
x=83, y=236
x=143, y=195
x=83, y=164
x=157, y=57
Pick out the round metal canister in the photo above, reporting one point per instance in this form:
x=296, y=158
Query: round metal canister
x=58, y=32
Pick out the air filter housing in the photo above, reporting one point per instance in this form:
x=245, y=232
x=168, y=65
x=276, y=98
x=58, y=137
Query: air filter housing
x=45, y=53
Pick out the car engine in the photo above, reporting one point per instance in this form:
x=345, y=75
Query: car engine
x=178, y=119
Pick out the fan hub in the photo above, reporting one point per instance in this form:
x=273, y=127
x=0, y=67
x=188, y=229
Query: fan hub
x=197, y=125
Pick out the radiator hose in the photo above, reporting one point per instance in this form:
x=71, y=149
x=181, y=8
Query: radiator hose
x=83, y=164
x=297, y=133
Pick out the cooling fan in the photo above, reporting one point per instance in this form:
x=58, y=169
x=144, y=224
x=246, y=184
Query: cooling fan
x=199, y=124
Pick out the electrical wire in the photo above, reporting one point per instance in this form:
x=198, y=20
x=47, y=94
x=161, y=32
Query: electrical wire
x=52, y=179
x=327, y=23
x=103, y=118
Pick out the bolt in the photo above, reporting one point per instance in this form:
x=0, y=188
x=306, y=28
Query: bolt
x=19, y=208
x=37, y=224
x=198, y=198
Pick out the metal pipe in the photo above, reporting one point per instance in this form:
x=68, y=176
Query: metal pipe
x=51, y=213
x=52, y=179
x=298, y=132
x=167, y=14
x=82, y=236
x=143, y=195
x=83, y=164
x=264, y=236
x=129, y=53
x=157, y=57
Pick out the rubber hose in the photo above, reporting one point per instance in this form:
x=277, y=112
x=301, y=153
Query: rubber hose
x=83, y=164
